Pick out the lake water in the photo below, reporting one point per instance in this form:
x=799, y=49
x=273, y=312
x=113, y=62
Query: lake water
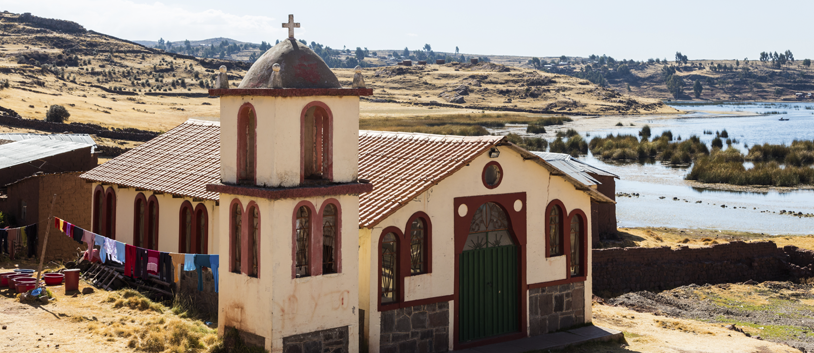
x=755, y=212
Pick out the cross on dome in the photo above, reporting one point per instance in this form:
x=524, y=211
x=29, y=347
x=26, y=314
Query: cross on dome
x=291, y=25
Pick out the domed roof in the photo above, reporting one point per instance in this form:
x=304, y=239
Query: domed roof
x=299, y=65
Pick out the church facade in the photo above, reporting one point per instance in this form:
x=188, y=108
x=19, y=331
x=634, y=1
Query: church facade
x=335, y=238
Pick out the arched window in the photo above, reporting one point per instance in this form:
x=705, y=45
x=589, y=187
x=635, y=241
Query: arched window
x=554, y=229
x=316, y=142
x=151, y=226
x=236, y=220
x=577, y=244
x=329, y=239
x=186, y=234
x=254, y=238
x=247, y=145
x=201, y=230
x=418, y=227
x=389, y=271
x=303, y=240
x=140, y=221
x=98, y=197
x=110, y=214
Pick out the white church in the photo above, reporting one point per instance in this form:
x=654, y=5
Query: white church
x=342, y=240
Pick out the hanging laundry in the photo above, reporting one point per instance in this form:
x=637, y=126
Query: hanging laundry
x=140, y=270
x=56, y=222
x=129, y=260
x=152, y=262
x=77, y=234
x=110, y=249
x=121, y=255
x=214, y=263
x=201, y=261
x=165, y=269
x=89, y=239
x=100, y=241
x=177, y=265
x=61, y=225
x=189, y=262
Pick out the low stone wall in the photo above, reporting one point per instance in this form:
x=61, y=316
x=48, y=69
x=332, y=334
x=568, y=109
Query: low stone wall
x=622, y=270
x=556, y=308
x=421, y=328
x=333, y=340
x=78, y=128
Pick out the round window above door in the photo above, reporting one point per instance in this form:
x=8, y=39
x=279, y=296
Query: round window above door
x=492, y=175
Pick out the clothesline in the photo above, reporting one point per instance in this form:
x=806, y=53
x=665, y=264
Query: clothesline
x=139, y=262
x=21, y=235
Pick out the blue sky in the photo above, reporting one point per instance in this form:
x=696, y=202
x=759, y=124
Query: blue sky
x=622, y=29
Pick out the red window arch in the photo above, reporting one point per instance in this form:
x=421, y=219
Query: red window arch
x=391, y=269
x=252, y=242
x=304, y=252
x=140, y=221
x=577, y=246
x=555, y=218
x=316, y=142
x=98, y=203
x=201, y=240
x=186, y=229
x=247, y=145
x=109, y=225
x=331, y=237
x=151, y=224
x=417, y=249
x=235, y=236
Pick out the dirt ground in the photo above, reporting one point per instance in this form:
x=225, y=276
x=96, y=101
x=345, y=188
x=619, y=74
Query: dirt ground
x=650, y=237
x=780, y=312
x=120, y=321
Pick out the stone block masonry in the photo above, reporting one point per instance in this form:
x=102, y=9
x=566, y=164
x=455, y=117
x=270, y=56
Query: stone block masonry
x=333, y=340
x=421, y=328
x=556, y=308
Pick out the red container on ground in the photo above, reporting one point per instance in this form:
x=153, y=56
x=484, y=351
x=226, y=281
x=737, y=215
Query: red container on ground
x=71, y=279
x=53, y=279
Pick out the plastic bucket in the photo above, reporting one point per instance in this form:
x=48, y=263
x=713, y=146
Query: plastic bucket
x=71, y=279
x=24, y=270
x=11, y=279
x=24, y=285
x=4, y=278
x=15, y=281
x=53, y=279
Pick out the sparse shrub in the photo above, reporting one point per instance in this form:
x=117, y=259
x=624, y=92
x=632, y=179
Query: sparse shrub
x=57, y=114
x=717, y=143
x=535, y=129
x=619, y=124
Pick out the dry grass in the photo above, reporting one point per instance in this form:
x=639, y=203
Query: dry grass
x=651, y=237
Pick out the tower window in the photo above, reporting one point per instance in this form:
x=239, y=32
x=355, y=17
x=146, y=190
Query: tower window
x=246, y=145
x=329, y=239
x=316, y=142
x=303, y=242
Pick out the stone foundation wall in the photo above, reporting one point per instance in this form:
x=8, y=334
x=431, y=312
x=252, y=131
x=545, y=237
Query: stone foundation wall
x=422, y=328
x=556, y=308
x=333, y=340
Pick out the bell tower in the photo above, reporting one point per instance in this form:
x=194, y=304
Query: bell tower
x=289, y=199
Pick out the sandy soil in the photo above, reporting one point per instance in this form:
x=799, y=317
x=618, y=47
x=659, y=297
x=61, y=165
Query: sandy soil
x=651, y=237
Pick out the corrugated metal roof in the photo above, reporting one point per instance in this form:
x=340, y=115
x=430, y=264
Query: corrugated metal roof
x=403, y=165
x=181, y=162
x=79, y=138
x=26, y=151
x=575, y=168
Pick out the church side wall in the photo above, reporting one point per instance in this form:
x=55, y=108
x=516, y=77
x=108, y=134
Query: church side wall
x=278, y=136
x=169, y=209
x=279, y=308
x=518, y=176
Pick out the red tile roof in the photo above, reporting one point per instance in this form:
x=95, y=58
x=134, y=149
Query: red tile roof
x=180, y=162
x=403, y=165
x=400, y=165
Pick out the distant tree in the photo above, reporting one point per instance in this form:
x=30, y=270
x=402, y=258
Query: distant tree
x=427, y=48
x=737, y=63
x=456, y=50
x=807, y=62
x=745, y=61
x=680, y=59
x=697, y=89
x=406, y=53
x=789, y=56
x=360, y=54
x=564, y=59
x=57, y=114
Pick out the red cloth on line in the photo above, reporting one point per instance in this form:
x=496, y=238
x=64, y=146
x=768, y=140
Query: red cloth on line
x=152, y=262
x=56, y=222
x=96, y=257
x=129, y=259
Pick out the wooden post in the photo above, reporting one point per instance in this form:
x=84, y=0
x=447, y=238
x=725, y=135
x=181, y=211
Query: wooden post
x=45, y=242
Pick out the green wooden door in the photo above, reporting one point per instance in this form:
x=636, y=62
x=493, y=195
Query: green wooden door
x=488, y=293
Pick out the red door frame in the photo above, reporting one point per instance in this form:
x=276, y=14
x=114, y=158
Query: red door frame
x=517, y=221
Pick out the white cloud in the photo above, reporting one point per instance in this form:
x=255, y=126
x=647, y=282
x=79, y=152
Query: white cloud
x=412, y=35
x=150, y=21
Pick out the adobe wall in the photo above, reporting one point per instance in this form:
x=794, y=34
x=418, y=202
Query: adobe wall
x=604, y=214
x=622, y=270
x=73, y=161
x=72, y=203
